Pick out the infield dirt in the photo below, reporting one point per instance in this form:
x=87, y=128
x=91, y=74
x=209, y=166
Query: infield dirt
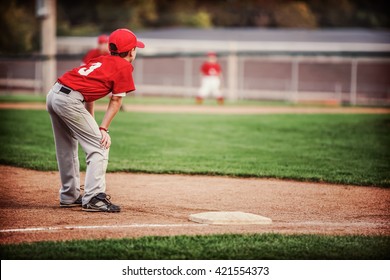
x=161, y=204
x=239, y=110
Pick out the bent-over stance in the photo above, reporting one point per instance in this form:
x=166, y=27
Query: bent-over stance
x=70, y=104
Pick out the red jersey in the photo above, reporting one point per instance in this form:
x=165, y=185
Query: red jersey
x=94, y=53
x=210, y=69
x=99, y=77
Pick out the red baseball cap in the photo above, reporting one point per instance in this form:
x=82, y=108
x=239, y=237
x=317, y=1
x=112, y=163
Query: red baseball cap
x=123, y=40
x=102, y=39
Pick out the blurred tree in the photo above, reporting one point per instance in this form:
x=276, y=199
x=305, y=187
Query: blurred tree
x=295, y=14
x=333, y=13
x=235, y=13
x=198, y=19
x=113, y=14
x=351, y=13
x=145, y=14
x=133, y=14
x=19, y=32
x=76, y=17
x=373, y=13
x=106, y=15
x=189, y=13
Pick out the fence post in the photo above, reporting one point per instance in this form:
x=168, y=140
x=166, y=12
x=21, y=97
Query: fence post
x=241, y=78
x=352, y=96
x=232, y=73
x=188, y=75
x=294, y=79
x=48, y=46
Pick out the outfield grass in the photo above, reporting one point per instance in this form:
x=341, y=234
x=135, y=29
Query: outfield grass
x=347, y=149
x=237, y=247
x=22, y=98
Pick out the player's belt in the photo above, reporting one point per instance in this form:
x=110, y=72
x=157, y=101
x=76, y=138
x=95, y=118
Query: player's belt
x=58, y=87
x=65, y=90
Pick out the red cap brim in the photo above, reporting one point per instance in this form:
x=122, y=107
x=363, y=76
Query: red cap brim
x=140, y=44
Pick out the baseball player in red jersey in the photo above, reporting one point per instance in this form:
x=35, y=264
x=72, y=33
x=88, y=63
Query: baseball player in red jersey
x=211, y=79
x=70, y=104
x=102, y=49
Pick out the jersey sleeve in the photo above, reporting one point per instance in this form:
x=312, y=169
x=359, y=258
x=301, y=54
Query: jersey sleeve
x=121, y=94
x=123, y=81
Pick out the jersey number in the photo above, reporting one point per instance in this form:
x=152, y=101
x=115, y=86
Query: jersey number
x=86, y=71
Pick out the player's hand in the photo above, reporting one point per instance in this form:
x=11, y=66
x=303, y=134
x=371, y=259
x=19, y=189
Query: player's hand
x=105, y=143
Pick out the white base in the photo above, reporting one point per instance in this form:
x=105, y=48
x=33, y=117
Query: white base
x=229, y=218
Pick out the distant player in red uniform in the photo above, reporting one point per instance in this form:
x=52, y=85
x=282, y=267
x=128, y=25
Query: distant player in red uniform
x=102, y=49
x=211, y=79
x=70, y=104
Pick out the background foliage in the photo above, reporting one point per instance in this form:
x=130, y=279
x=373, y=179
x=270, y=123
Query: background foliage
x=20, y=32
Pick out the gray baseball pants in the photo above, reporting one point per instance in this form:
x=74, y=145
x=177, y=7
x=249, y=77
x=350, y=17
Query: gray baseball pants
x=73, y=124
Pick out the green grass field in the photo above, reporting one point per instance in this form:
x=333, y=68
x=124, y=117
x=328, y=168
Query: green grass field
x=238, y=247
x=150, y=100
x=345, y=149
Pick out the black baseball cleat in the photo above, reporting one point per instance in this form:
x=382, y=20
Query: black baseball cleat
x=101, y=203
x=77, y=203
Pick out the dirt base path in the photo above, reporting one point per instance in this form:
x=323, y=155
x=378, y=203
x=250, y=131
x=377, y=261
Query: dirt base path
x=161, y=204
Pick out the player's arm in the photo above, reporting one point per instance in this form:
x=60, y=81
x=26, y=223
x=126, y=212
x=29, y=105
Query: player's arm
x=112, y=110
x=90, y=106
